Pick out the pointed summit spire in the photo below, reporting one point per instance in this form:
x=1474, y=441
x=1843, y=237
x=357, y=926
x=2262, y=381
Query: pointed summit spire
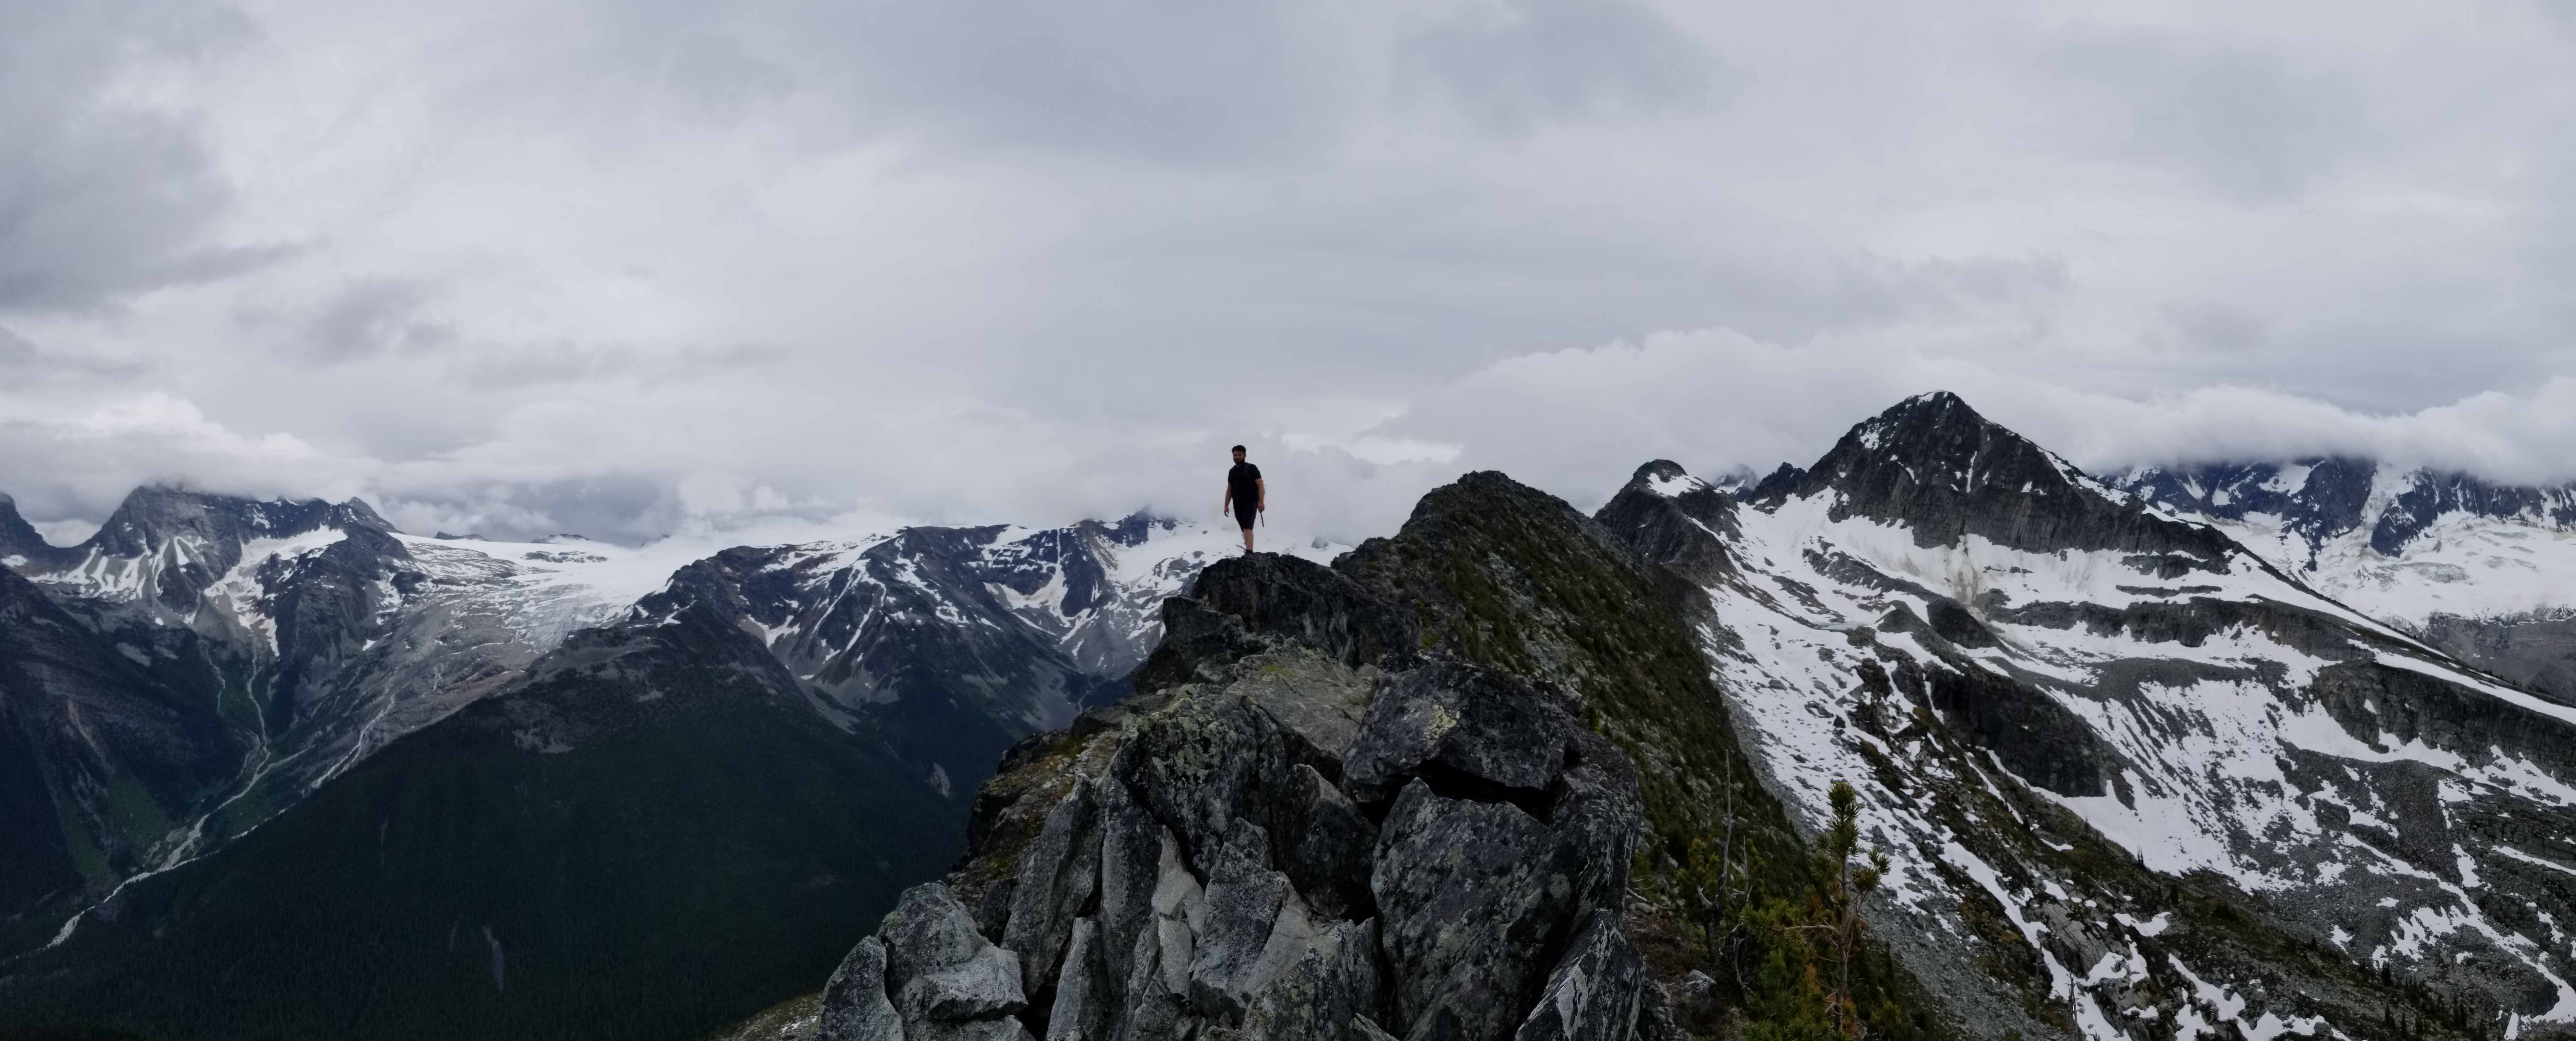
x=1674, y=519
x=20, y=541
x=1932, y=463
x=1928, y=440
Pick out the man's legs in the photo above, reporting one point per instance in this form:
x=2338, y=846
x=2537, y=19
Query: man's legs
x=1247, y=540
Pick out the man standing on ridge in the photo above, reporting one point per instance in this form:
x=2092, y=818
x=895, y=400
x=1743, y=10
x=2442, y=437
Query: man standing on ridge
x=1245, y=495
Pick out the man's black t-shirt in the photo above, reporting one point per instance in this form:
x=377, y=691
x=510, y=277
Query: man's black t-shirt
x=1245, y=482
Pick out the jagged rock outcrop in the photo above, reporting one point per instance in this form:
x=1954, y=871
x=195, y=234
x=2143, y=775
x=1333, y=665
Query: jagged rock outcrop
x=1305, y=827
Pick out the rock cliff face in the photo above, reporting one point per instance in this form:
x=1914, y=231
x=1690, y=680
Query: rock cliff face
x=1307, y=830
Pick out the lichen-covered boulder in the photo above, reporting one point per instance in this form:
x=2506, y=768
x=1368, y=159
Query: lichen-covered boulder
x=1473, y=900
x=1497, y=734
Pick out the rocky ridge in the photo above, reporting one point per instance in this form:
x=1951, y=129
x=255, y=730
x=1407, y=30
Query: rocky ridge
x=1303, y=829
x=2134, y=779
x=1417, y=766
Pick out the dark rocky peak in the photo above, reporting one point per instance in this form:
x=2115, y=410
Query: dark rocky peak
x=151, y=517
x=20, y=540
x=2433, y=495
x=1675, y=520
x=1777, y=485
x=1131, y=530
x=2323, y=498
x=1239, y=605
x=744, y=582
x=1931, y=443
x=1660, y=474
x=1080, y=553
x=1933, y=464
x=176, y=543
x=2316, y=498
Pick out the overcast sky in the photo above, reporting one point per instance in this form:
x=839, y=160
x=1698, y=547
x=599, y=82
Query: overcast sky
x=628, y=267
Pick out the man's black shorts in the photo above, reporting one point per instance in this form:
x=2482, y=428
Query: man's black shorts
x=1243, y=515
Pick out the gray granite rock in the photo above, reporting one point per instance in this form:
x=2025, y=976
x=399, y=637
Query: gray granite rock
x=854, y=1002
x=1655, y=1016
x=1318, y=710
x=1131, y=867
x=1472, y=898
x=1002, y=1029
x=1482, y=732
x=1153, y=1011
x=1282, y=844
x=1232, y=924
x=1332, y=978
x=1058, y=875
x=1596, y=990
x=1325, y=843
x=1083, y=1005
x=985, y=985
x=928, y=930
x=945, y=979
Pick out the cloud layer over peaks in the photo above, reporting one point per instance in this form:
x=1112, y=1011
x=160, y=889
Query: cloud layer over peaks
x=635, y=268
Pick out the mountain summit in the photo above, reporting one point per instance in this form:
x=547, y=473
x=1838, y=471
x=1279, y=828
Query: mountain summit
x=1935, y=466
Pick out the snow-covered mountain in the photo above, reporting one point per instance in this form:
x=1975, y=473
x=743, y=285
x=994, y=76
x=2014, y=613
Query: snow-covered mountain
x=2486, y=572
x=2149, y=760
x=2140, y=780
x=210, y=660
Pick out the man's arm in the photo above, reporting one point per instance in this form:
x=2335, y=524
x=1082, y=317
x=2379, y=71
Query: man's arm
x=1261, y=488
x=1227, y=506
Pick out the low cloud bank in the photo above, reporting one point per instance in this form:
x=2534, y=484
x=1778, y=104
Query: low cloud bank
x=1575, y=422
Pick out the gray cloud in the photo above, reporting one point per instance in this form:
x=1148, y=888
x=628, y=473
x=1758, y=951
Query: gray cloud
x=104, y=196
x=27, y=365
x=629, y=268
x=1163, y=80
x=2255, y=124
x=533, y=364
x=372, y=316
x=1526, y=62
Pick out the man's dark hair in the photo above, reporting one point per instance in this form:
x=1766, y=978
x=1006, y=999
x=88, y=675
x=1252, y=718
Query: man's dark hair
x=1236, y=448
